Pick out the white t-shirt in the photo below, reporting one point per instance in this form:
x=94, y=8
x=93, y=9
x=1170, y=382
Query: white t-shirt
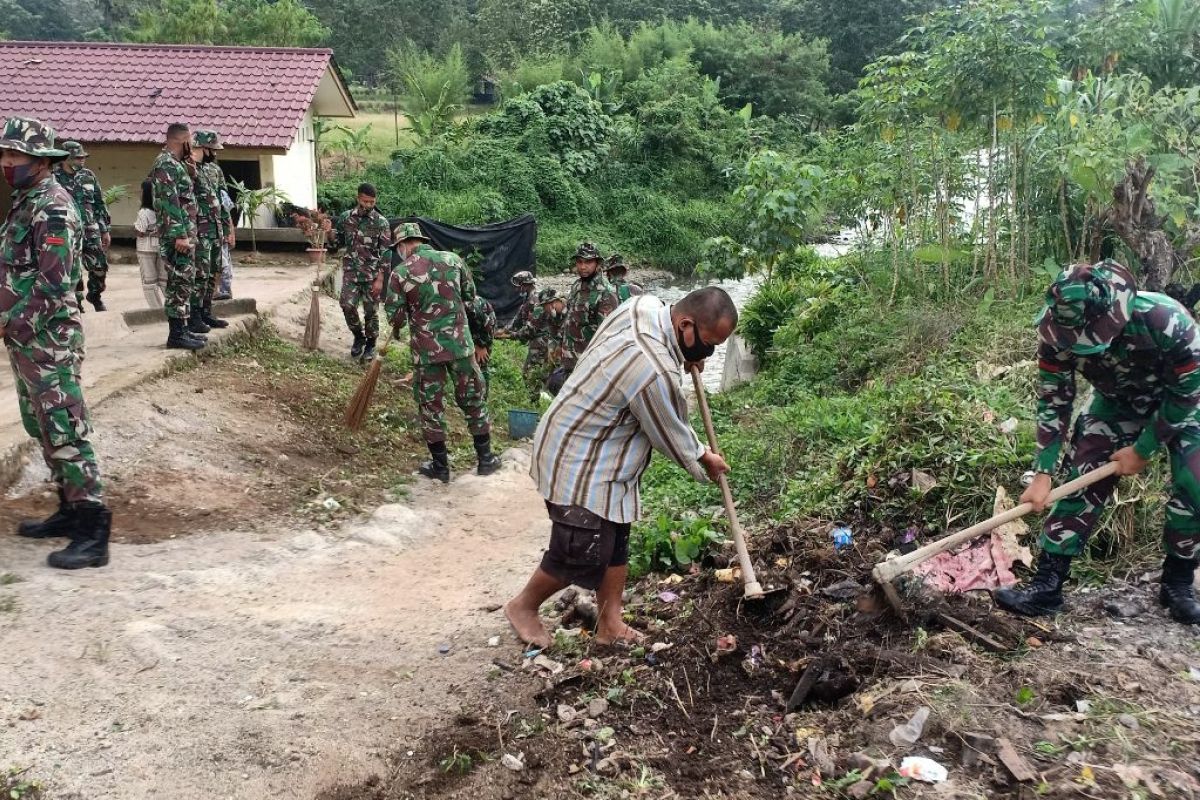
x=146, y=226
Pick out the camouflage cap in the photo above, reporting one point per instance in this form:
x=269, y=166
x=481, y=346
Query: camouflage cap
x=208, y=139
x=30, y=136
x=587, y=252
x=75, y=149
x=522, y=278
x=548, y=295
x=616, y=262
x=408, y=230
x=1087, y=307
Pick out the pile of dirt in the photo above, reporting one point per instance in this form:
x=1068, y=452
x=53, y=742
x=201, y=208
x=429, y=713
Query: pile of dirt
x=802, y=692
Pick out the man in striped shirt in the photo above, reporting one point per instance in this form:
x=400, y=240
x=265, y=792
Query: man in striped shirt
x=595, y=441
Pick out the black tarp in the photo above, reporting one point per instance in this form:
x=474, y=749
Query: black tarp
x=494, y=252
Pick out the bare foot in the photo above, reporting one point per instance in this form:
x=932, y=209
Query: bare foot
x=528, y=627
x=607, y=635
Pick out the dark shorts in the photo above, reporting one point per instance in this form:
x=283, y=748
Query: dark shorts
x=583, y=546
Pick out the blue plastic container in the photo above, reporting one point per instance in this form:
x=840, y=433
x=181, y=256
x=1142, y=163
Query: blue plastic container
x=522, y=424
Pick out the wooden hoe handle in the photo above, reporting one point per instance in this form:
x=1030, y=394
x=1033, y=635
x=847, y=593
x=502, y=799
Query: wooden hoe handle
x=752, y=589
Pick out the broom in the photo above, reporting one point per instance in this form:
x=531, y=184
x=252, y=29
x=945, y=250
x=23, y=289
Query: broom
x=312, y=326
x=361, y=401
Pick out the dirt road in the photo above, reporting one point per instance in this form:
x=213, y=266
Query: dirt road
x=246, y=655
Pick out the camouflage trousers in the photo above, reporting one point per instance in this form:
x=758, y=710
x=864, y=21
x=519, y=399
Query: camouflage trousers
x=181, y=280
x=208, y=268
x=356, y=292
x=470, y=392
x=536, y=368
x=1102, y=429
x=50, y=397
x=95, y=262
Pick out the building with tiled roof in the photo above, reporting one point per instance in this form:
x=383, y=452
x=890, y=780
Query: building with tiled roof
x=119, y=98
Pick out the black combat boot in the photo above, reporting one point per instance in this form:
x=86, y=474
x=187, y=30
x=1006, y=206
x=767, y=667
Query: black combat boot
x=438, y=466
x=369, y=348
x=489, y=462
x=1041, y=595
x=360, y=341
x=1176, y=593
x=89, y=540
x=96, y=302
x=196, y=321
x=60, y=523
x=178, y=338
x=209, y=320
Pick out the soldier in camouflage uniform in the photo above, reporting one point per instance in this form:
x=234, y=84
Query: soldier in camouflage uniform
x=616, y=271
x=173, y=181
x=366, y=235
x=84, y=187
x=526, y=285
x=1141, y=353
x=214, y=226
x=39, y=322
x=430, y=291
x=592, y=299
x=481, y=321
x=544, y=335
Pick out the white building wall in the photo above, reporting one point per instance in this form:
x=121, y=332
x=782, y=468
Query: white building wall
x=295, y=172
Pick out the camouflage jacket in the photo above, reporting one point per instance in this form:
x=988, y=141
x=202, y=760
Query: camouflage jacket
x=174, y=198
x=38, y=270
x=366, y=238
x=430, y=292
x=84, y=188
x=590, y=302
x=481, y=320
x=212, y=218
x=1152, y=369
x=625, y=289
x=545, y=329
x=520, y=323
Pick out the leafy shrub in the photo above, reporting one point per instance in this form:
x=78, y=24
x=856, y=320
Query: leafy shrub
x=665, y=544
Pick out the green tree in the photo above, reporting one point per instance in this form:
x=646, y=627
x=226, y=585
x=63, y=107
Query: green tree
x=284, y=23
x=433, y=89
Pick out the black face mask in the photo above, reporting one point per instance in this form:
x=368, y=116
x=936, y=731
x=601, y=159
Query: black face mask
x=698, y=350
x=209, y=158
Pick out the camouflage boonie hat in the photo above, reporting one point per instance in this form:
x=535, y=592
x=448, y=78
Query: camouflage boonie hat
x=31, y=137
x=522, y=278
x=1087, y=307
x=208, y=139
x=616, y=262
x=408, y=230
x=75, y=149
x=587, y=252
x=548, y=295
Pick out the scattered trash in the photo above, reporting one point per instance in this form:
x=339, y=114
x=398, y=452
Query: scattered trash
x=1083, y=706
x=726, y=644
x=443, y=648
x=906, y=734
x=926, y=770
x=494, y=641
x=532, y=652
x=547, y=664
x=668, y=597
x=515, y=763
x=985, y=563
x=730, y=575
x=329, y=504
x=658, y=647
x=587, y=665
x=752, y=662
x=672, y=579
x=1194, y=673
x=843, y=590
x=1009, y=425
x=597, y=707
x=1013, y=761
x=842, y=537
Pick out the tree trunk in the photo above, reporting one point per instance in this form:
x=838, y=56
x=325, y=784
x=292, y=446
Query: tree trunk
x=1134, y=218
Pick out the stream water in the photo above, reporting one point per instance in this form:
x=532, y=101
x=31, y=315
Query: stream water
x=673, y=289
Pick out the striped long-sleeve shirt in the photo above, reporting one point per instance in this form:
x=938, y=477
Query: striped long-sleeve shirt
x=622, y=400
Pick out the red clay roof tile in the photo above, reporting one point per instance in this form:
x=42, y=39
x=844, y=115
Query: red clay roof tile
x=129, y=93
